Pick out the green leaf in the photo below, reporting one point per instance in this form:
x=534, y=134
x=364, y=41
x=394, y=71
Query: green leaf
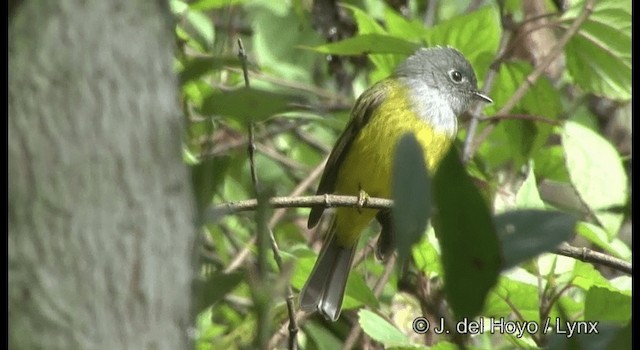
x=380, y=330
x=368, y=44
x=399, y=26
x=206, y=177
x=411, y=194
x=597, y=174
x=216, y=287
x=178, y=7
x=366, y=24
x=509, y=294
x=603, y=304
x=203, y=27
x=528, y=196
x=473, y=34
x=525, y=137
x=586, y=276
x=358, y=293
x=468, y=240
x=608, y=336
x=204, y=5
x=321, y=336
x=598, y=236
x=445, y=345
x=427, y=258
x=622, y=339
x=549, y=164
x=302, y=270
x=526, y=233
x=246, y=104
x=517, y=140
x=196, y=91
x=599, y=55
x=278, y=50
x=414, y=347
x=196, y=67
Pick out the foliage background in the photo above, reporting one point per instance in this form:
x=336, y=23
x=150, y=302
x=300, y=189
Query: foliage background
x=562, y=145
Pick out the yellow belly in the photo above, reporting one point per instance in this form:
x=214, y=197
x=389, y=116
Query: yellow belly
x=368, y=163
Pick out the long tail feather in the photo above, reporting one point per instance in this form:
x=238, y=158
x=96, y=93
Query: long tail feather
x=325, y=287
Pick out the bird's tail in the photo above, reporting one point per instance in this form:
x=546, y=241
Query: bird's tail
x=325, y=287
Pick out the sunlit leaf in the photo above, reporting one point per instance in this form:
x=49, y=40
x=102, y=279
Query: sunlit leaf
x=597, y=173
x=473, y=34
x=599, y=236
x=401, y=27
x=246, y=104
x=203, y=5
x=380, y=330
x=528, y=195
x=599, y=55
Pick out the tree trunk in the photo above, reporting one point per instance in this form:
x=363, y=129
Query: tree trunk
x=101, y=215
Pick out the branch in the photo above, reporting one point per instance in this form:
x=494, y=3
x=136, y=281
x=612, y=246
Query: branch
x=327, y=201
x=588, y=255
x=476, y=111
x=533, y=118
x=264, y=230
x=251, y=149
x=335, y=201
x=531, y=79
x=224, y=148
x=277, y=215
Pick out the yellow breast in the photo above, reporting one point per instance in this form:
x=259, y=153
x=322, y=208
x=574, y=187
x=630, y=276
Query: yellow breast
x=367, y=166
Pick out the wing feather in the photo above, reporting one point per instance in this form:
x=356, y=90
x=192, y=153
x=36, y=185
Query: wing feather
x=361, y=113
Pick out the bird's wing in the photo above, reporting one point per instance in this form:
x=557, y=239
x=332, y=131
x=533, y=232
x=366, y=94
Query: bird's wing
x=361, y=113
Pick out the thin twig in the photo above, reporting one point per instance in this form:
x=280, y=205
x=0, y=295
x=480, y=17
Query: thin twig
x=300, y=189
x=311, y=141
x=312, y=90
x=334, y=201
x=588, y=255
x=533, y=118
x=264, y=230
x=284, y=329
x=277, y=216
x=293, y=325
x=476, y=111
x=430, y=13
x=233, y=144
x=276, y=156
x=531, y=79
x=259, y=278
x=327, y=201
x=251, y=149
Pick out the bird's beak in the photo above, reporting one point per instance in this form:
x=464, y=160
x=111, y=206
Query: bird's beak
x=481, y=96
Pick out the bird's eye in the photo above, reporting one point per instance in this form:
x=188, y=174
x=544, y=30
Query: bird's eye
x=456, y=76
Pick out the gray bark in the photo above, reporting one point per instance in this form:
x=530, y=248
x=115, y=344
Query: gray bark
x=101, y=227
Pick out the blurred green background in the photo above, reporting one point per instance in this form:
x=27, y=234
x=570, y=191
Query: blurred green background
x=562, y=147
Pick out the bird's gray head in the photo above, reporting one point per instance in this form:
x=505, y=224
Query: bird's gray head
x=445, y=72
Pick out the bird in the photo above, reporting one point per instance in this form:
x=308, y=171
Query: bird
x=424, y=95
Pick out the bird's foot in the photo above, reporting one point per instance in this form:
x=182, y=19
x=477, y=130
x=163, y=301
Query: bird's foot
x=363, y=197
